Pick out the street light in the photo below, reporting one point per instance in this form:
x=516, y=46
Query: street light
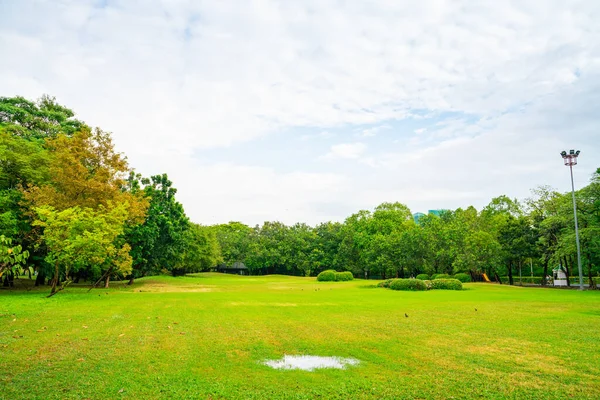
x=570, y=160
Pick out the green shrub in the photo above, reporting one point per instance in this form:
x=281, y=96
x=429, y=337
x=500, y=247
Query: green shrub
x=327, y=276
x=385, y=284
x=441, y=276
x=423, y=277
x=446, y=284
x=408, y=284
x=463, y=277
x=427, y=284
x=344, y=276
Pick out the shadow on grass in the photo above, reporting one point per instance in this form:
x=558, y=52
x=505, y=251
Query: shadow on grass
x=368, y=287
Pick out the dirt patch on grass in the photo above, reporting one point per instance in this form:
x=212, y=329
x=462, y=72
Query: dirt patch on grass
x=262, y=304
x=163, y=288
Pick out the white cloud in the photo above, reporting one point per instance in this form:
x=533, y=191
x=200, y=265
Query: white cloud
x=173, y=77
x=346, y=150
x=370, y=132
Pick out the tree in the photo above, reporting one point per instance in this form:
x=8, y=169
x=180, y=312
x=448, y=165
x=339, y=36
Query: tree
x=159, y=242
x=79, y=238
x=518, y=242
x=87, y=172
x=201, y=249
x=37, y=120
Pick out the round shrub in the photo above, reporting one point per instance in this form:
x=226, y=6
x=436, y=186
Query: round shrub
x=344, y=276
x=423, y=277
x=463, y=277
x=427, y=284
x=327, y=276
x=441, y=276
x=446, y=284
x=408, y=284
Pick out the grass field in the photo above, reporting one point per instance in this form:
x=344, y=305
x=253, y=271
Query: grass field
x=206, y=337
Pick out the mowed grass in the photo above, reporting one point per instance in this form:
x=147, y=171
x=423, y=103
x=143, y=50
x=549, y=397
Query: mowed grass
x=206, y=336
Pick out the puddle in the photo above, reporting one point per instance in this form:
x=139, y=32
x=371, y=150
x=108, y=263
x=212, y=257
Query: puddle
x=310, y=363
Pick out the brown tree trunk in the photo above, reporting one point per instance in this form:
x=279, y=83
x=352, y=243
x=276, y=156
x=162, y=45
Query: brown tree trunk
x=130, y=280
x=54, y=279
x=510, y=276
x=544, y=281
x=40, y=279
x=568, y=270
x=591, y=283
x=106, y=281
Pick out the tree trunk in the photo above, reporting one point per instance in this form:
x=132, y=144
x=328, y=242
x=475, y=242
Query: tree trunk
x=544, y=281
x=497, y=278
x=55, y=279
x=510, y=276
x=107, y=281
x=130, y=280
x=591, y=283
x=568, y=271
x=40, y=279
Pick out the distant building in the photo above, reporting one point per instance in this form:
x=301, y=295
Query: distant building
x=418, y=215
x=238, y=268
x=560, y=276
x=436, y=212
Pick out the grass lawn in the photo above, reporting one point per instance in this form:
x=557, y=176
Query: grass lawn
x=205, y=336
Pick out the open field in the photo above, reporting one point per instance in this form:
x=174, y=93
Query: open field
x=206, y=337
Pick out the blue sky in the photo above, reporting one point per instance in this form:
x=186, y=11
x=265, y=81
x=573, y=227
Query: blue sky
x=311, y=110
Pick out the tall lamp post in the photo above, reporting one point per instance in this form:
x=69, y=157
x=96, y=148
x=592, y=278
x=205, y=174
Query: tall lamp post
x=570, y=160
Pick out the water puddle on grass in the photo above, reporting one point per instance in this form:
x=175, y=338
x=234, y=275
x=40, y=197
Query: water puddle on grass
x=310, y=363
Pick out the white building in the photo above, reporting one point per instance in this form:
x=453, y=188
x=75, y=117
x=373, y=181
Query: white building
x=560, y=276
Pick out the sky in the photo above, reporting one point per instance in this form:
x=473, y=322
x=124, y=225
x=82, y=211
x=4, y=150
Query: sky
x=308, y=111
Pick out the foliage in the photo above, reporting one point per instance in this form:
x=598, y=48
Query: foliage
x=10, y=256
x=327, y=276
x=201, y=249
x=447, y=284
x=408, y=284
x=79, y=238
x=463, y=277
x=441, y=276
x=423, y=277
x=344, y=276
x=385, y=284
x=37, y=120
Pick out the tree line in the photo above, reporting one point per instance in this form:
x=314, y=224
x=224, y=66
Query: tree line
x=503, y=239
x=71, y=208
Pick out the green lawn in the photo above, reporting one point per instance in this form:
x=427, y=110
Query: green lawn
x=206, y=336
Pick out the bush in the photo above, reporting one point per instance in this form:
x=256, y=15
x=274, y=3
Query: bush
x=331, y=275
x=423, y=277
x=427, y=284
x=385, y=284
x=408, y=284
x=441, y=276
x=446, y=284
x=327, y=276
x=463, y=277
x=344, y=276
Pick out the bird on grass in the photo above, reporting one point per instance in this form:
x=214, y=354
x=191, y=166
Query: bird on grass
x=406, y=315
x=475, y=309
